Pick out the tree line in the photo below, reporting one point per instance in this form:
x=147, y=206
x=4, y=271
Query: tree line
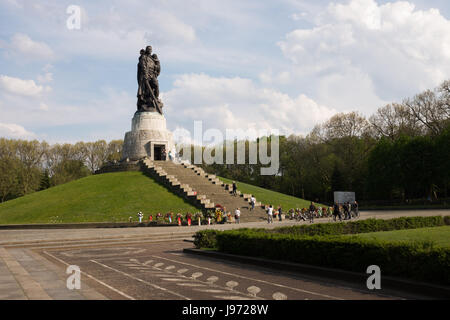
x=29, y=166
x=400, y=152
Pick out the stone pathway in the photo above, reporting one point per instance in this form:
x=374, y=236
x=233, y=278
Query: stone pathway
x=39, y=236
x=26, y=274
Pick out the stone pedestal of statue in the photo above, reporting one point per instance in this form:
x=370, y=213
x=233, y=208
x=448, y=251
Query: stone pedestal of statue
x=148, y=137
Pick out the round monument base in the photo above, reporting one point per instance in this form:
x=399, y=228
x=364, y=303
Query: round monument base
x=148, y=137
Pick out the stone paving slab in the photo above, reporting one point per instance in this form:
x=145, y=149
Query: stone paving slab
x=86, y=292
x=26, y=275
x=31, y=288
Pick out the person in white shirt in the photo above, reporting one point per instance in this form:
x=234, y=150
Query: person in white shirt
x=270, y=214
x=237, y=215
x=252, y=202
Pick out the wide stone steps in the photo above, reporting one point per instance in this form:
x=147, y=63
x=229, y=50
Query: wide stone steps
x=207, y=189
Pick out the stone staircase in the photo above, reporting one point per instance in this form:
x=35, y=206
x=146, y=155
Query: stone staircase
x=202, y=189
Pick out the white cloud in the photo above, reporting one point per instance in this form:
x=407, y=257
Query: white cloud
x=43, y=107
x=21, y=87
x=237, y=103
x=30, y=49
x=170, y=27
x=46, y=77
x=361, y=54
x=15, y=131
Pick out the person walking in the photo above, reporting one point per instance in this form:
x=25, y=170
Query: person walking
x=336, y=212
x=355, y=209
x=312, y=209
x=237, y=215
x=346, y=211
x=270, y=214
x=234, y=188
x=252, y=202
x=280, y=212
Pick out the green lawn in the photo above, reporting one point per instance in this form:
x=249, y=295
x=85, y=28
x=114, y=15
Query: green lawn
x=270, y=197
x=440, y=236
x=99, y=198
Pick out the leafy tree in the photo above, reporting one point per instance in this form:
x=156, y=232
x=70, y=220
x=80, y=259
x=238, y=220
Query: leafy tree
x=69, y=170
x=45, y=181
x=9, y=183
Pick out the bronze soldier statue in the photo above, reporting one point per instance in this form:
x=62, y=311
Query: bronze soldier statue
x=149, y=69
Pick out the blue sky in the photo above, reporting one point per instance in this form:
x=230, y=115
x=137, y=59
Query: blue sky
x=286, y=64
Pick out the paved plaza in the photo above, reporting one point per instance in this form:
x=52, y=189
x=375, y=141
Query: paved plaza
x=149, y=263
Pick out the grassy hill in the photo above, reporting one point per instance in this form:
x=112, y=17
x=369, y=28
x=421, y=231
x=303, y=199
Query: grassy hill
x=99, y=198
x=270, y=197
x=113, y=197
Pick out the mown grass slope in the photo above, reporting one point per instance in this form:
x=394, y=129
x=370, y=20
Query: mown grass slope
x=271, y=197
x=106, y=197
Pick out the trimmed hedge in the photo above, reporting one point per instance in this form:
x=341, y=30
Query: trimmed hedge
x=416, y=261
x=364, y=226
x=206, y=238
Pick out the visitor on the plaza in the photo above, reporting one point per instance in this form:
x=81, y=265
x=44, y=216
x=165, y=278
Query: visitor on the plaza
x=234, y=188
x=336, y=212
x=312, y=210
x=346, y=211
x=252, y=202
x=170, y=155
x=237, y=215
x=280, y=212
x=355, y=208
x=270, y=214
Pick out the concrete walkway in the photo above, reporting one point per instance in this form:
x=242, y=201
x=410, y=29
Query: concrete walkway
x=25, y=274
x=8, y=237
